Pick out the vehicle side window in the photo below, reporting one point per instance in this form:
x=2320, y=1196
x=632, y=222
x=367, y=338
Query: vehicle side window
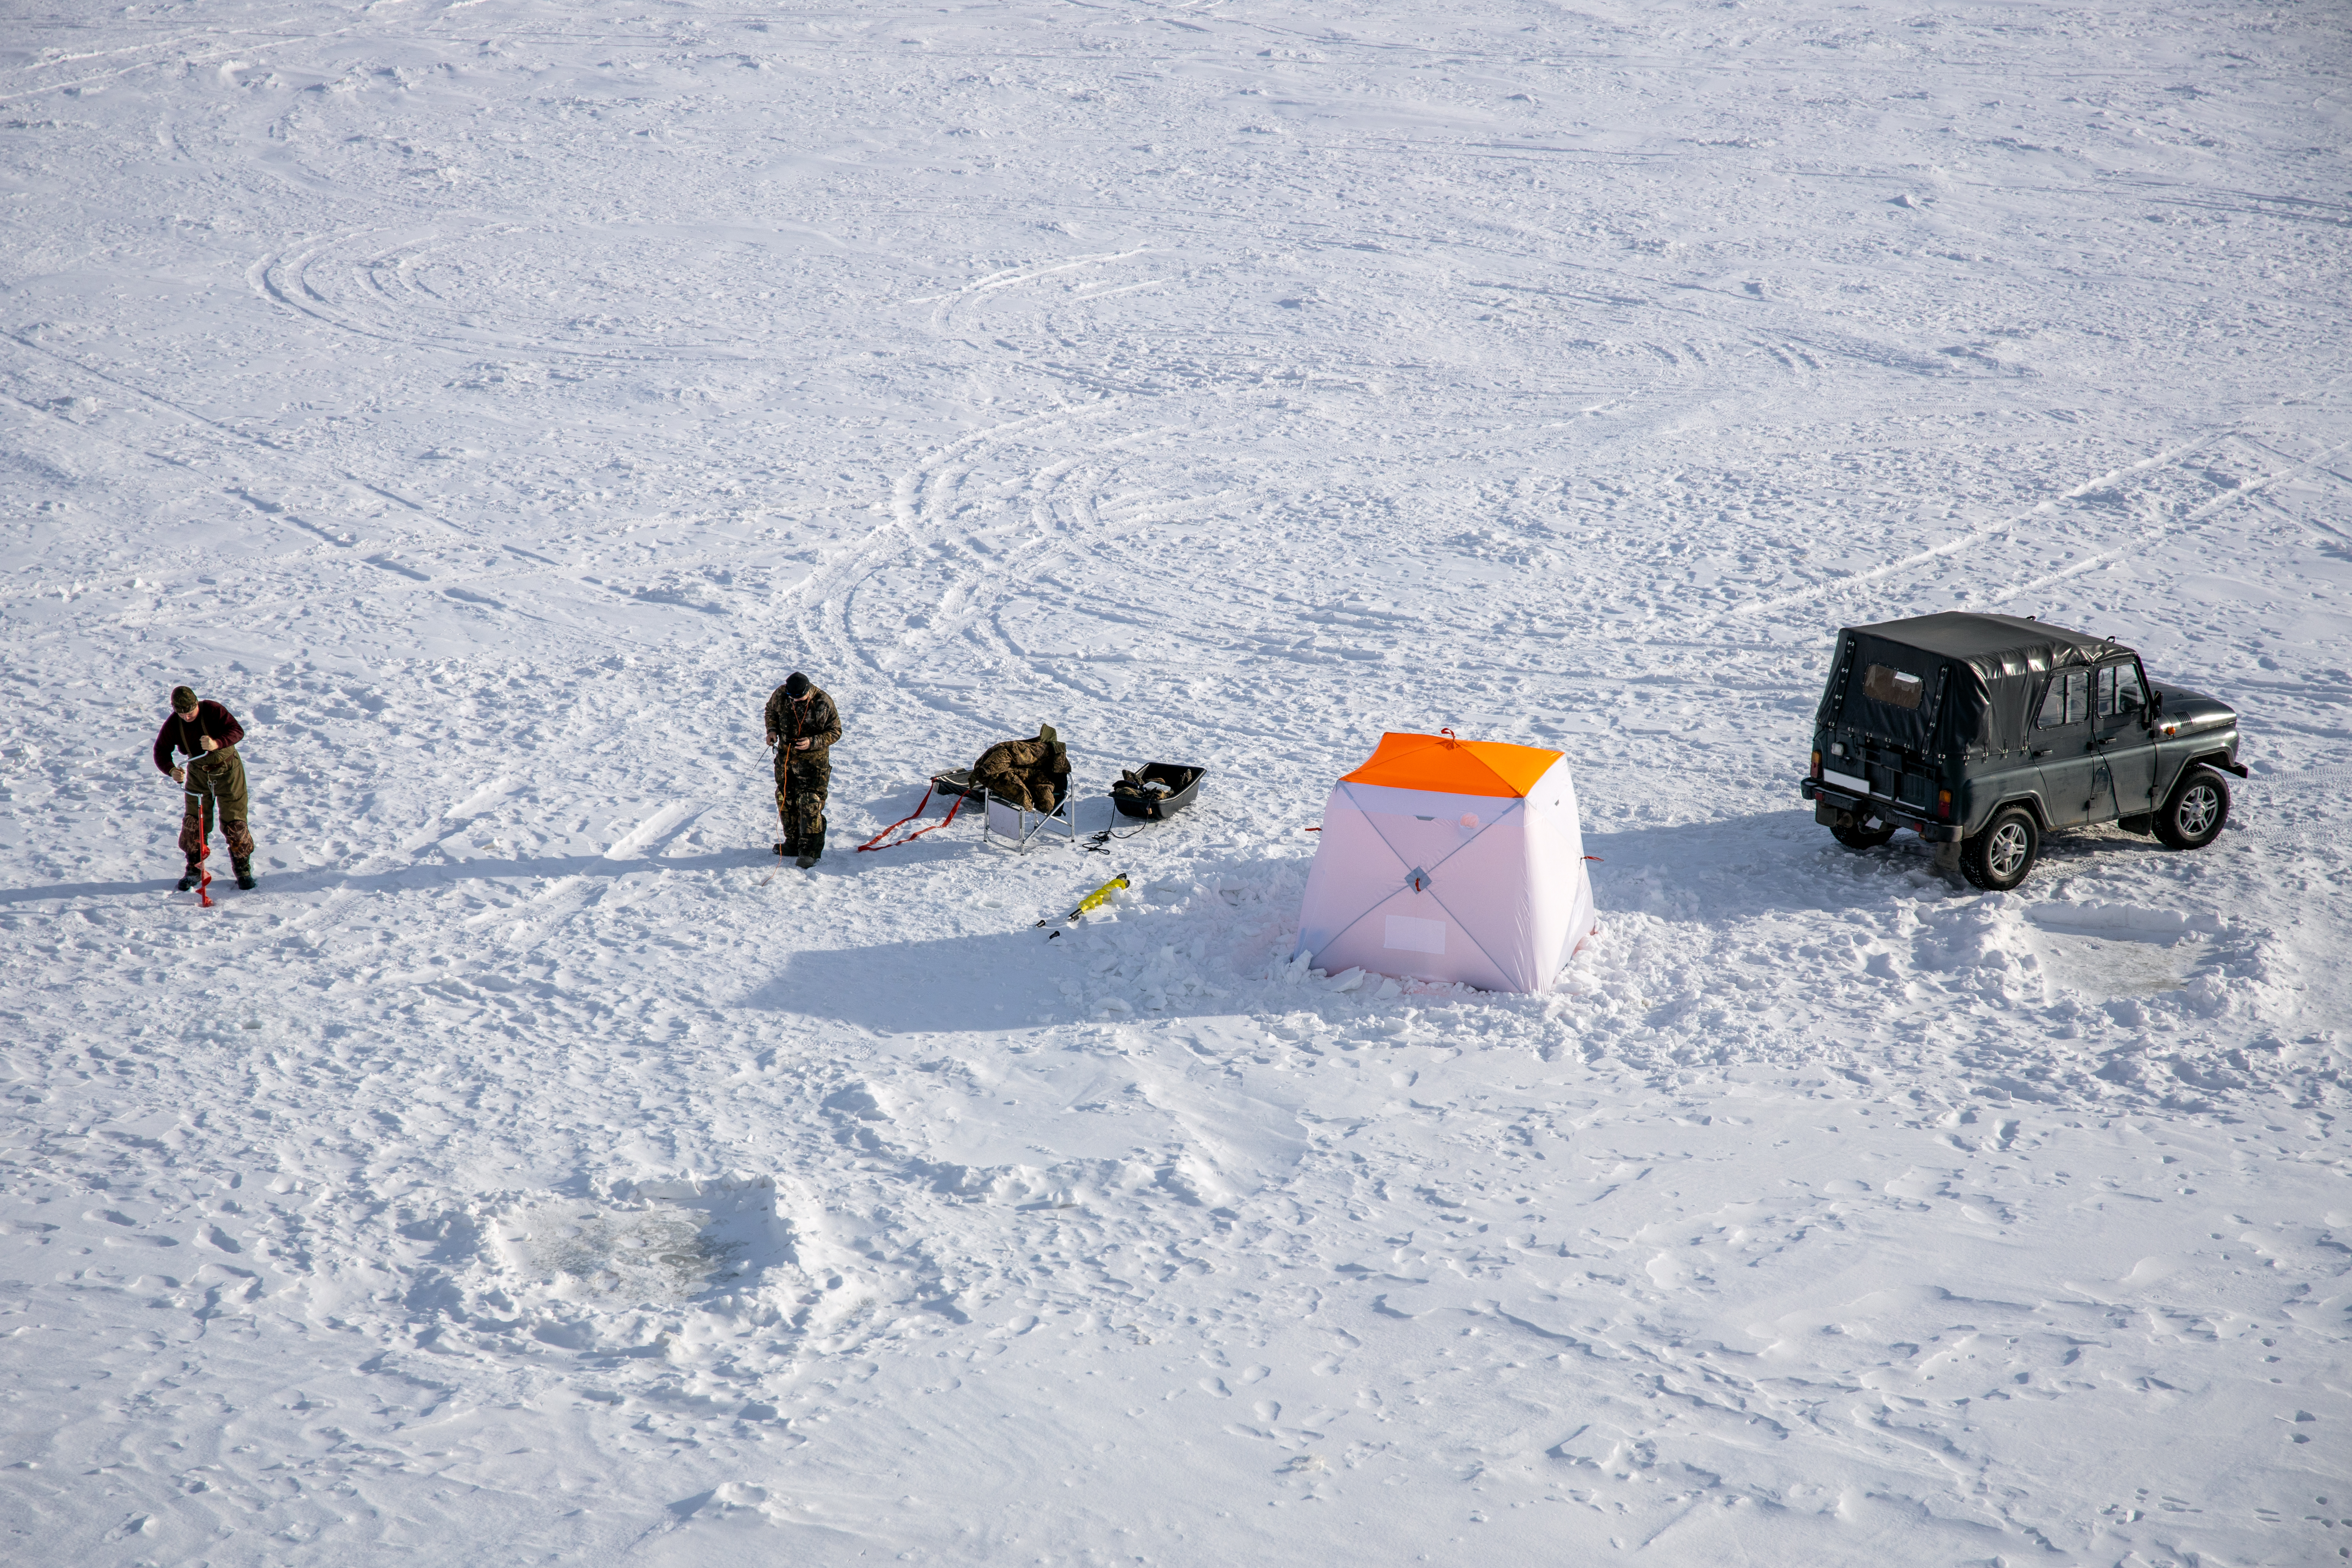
x=2129, y=698
x=2068, y=700
x=2105, y=691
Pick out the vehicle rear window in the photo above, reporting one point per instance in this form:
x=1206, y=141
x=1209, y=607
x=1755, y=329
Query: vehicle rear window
x=1895, y=688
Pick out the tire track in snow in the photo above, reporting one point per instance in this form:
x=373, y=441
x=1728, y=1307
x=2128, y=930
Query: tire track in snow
x=1011, y=277
x=300, y=491
x=225, y=440
x=372, y=290
x=655, y=831
x=919, y=519
x=1063, y=521
x=1136, y=573
x=338, y=904
x=2160, y=529
x=247, y=41
x=1954, y=546
x=2174, y=458
x=555, y=906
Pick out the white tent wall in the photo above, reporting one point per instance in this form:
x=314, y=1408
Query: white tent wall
x=1562, y=888
x=1360, y=912
x=1507, y=897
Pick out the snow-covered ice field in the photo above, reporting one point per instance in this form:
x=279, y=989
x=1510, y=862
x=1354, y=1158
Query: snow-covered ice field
x=490, y=402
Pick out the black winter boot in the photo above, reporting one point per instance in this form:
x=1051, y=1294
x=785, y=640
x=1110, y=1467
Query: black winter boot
x=194, y=874
x=244, y=869
x=811, y=848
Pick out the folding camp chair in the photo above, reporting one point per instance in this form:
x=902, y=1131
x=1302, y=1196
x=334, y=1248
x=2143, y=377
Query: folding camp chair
x=1018, y=826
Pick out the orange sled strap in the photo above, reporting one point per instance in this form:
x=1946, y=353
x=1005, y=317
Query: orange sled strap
x=876, y=842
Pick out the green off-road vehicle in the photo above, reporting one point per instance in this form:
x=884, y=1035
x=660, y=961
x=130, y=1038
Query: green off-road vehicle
x=1984, y=732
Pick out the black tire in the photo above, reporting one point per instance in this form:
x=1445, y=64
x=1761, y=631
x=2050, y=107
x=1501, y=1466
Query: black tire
x=2195, y=815
x=1998, y=858
x=1860, y=837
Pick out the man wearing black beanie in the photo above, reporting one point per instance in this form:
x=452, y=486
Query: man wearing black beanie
x=802, y=725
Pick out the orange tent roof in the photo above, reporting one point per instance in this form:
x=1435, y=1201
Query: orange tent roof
x=1453, y=767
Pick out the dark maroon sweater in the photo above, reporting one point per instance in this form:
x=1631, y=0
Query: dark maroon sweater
x=211, y=719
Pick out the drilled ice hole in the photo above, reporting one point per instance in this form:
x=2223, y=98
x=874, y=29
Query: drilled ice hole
x=587, y=1252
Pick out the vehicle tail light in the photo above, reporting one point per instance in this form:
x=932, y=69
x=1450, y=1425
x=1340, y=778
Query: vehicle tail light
x=1817, y=764
x=1943, y=803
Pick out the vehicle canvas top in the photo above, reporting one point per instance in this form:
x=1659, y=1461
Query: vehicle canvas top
x=1933, y=683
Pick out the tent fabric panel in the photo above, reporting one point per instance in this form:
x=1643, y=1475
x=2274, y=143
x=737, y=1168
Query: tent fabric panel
x=1520, y=766
x=1441, y=805
x=1391, y=762
x=1556, y=871
x=1406, y=933
x=1395, y=743
x=1358, y=884
x=1405, y=760
x=1364, y=944
x=1424, y=829
x=1486, y=891
x=1564, y=911
x=1354, y=869
x=1478, y=868
x=1555, y=794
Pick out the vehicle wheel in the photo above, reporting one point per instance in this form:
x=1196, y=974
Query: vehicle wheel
x=1860, y=837
x=2193, y=819
x=1998, y=858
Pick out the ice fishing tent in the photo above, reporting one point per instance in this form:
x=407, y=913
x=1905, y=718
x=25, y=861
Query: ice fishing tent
x=1450, y=861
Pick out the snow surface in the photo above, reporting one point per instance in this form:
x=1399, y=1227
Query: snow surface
x=492, y=401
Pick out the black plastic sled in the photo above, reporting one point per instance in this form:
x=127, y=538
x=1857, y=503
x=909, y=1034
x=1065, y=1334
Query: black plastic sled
x=1179, y=786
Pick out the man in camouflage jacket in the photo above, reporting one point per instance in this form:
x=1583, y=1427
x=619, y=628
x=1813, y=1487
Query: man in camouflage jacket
x=802, y=725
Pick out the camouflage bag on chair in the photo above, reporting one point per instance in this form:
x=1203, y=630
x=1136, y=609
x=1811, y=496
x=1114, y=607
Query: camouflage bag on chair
x=1034, y=774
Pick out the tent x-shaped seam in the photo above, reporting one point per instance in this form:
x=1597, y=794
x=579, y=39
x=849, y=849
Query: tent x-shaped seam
x=1372, y=821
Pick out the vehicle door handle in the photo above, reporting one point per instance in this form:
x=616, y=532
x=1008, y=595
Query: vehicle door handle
x=2042, y=753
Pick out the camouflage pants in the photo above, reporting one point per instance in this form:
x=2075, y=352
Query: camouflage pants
x=801, y=787
x=216, y=793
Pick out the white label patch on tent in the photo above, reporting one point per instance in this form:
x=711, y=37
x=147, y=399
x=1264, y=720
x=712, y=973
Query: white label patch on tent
x=1407, y=933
